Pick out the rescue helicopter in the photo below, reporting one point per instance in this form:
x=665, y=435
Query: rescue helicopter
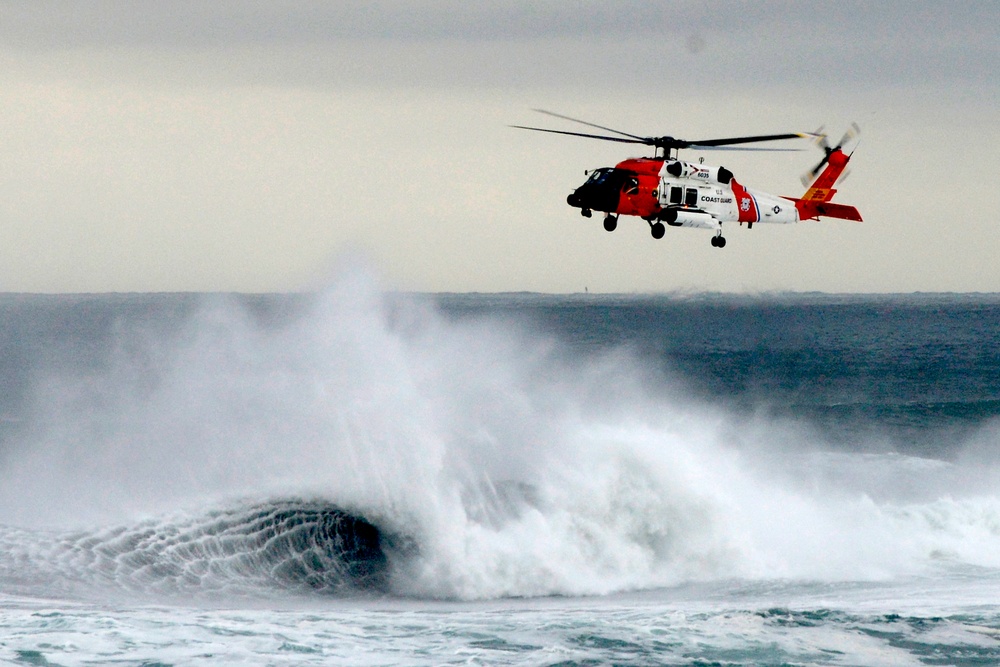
x=666, y=191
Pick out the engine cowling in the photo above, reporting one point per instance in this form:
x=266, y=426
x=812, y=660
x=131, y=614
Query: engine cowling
x=697, y=172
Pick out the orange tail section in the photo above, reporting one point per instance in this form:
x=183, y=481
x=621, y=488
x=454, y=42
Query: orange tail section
x=829, y=210
x=816, y=201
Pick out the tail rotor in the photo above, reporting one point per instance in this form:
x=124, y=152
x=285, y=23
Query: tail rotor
x=850, y=135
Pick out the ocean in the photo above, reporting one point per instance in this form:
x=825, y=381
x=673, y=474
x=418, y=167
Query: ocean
x=356, y=477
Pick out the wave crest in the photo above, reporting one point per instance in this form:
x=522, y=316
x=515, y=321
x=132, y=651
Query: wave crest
x=287, y=545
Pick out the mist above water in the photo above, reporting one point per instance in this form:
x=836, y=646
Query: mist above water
x=501, y=461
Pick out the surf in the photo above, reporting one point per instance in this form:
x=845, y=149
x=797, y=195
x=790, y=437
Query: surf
x=292, y=546
x=356, y=442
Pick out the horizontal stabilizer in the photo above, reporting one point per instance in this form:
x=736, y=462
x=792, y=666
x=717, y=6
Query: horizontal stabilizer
x=831, y=210
x=813, y=209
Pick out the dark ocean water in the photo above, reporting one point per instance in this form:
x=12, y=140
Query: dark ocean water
x=358, y=478
x=902, y=364
x=922, y=369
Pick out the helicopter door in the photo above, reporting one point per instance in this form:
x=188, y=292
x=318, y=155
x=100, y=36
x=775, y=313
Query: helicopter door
x=691, y=197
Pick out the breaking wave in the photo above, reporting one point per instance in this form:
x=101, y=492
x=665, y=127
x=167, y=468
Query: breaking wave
x=438, y=457
x=291, y=546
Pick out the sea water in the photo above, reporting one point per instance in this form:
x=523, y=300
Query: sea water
x=360, y=478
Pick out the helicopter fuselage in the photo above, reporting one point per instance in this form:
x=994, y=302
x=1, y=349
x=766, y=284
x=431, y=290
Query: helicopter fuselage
x=680, y=194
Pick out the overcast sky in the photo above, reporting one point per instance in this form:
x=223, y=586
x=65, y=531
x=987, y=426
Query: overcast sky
x=257, y=146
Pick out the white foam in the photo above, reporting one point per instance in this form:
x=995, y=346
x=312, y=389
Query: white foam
x=516, y=468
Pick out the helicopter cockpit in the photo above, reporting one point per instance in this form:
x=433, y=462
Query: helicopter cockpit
x=602, y=190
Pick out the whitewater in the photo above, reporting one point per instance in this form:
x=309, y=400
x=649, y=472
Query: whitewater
x=355, y=477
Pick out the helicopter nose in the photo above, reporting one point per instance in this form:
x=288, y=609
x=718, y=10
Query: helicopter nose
x=585, y=196
x=591, y=197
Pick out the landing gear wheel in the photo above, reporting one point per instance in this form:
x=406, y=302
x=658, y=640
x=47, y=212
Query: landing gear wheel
x=610, y=222
x=718, y=241
x=585, y=212
x=657, y=230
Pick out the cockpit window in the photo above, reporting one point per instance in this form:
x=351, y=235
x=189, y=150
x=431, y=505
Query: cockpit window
x=631, y=186
x=599, y=175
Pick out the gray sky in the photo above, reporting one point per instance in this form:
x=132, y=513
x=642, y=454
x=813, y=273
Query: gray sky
x=261, y=145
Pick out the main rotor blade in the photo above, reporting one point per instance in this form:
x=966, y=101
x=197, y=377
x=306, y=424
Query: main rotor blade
x=583, y=122
x=747, y=140
x=637, y=140
x=820, y=138
x=695, y=147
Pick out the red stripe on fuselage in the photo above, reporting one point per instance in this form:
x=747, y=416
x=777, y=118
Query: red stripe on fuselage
x=746, y=205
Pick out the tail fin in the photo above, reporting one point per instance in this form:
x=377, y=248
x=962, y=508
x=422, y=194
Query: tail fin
x=816, y=201
x=822, y=187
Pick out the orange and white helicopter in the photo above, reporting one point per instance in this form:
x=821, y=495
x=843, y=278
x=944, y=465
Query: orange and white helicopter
x=666, y=190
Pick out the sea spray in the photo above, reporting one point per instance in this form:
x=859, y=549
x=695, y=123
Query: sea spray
x=503, y=462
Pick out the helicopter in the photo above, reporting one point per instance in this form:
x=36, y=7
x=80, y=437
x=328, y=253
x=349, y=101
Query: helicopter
x=666, y=191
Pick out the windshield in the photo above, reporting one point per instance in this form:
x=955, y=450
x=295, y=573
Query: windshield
x=599, y=175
